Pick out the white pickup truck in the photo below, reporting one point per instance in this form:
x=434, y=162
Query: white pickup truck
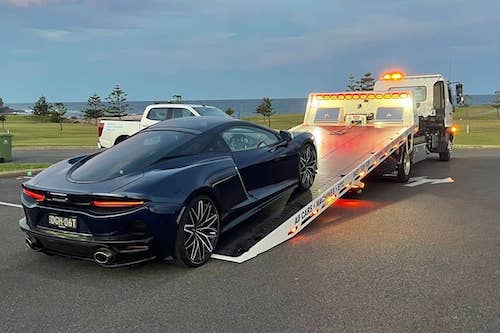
x=112, y=132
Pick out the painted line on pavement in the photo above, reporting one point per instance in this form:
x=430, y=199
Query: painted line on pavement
x=10, y=204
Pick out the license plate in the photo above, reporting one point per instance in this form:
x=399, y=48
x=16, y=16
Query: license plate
x=62, y=222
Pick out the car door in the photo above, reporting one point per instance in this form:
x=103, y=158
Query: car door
x=266, y=162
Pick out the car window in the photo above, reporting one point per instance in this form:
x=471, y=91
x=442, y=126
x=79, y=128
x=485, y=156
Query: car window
x=135, y=154
x=157, y=114
x=248, y=137
x=210, y=111
x=179, y=113
x=419, y=92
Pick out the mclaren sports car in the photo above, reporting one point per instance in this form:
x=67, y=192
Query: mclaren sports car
x=168, y=192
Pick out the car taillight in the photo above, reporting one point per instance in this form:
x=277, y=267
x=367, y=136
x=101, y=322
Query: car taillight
x=116, y=204
x=100, y=129
x=34, y=195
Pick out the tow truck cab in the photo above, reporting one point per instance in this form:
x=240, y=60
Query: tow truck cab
x=434, y=107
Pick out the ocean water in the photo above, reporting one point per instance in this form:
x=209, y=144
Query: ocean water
x=243, y=107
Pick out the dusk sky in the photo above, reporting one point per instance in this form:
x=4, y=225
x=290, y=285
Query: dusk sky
x=224, y=49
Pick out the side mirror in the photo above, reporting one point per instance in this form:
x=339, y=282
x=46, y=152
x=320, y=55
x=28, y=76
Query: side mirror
x=459, y=89
x=286, y=136
x=438, y=96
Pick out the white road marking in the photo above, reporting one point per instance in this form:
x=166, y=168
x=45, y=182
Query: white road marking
x=416, y=181
x=10, y=204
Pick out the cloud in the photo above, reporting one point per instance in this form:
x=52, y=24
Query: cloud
x=52, y=34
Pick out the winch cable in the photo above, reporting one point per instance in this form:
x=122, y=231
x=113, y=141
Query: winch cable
x=345, y=129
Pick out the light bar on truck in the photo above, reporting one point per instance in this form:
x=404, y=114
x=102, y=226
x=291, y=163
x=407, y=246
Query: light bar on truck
x=362, y=96
x=393, y=76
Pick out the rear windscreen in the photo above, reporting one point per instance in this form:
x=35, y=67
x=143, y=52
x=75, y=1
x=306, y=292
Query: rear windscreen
x=327, y=115
x=389, y=114
x=133, y=155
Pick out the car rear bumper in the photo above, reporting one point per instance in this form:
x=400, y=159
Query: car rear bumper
x=121, y=252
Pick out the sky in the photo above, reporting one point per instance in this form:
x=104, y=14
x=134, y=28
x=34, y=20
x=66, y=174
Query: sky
x=68, y=50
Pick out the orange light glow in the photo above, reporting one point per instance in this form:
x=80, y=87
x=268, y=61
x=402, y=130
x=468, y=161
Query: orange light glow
x=453, y=129
x=116, y=204
x=362, y=174
x=371, y=96
x=403, y=95
x=379, y=96
x=330, y=199
x=397, y=76
x=293, y=230
x=393, y=76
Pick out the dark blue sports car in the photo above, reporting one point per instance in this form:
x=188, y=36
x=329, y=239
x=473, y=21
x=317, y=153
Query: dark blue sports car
x=166, y=192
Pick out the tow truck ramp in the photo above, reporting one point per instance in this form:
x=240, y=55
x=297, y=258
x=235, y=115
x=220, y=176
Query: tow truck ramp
x=347, y=152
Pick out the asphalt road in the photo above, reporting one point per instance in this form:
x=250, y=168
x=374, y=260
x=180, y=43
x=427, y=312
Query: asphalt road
x=22, y=155
x=423, y=258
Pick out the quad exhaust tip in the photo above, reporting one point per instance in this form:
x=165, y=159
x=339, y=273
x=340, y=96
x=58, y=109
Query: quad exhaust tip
x=103, y=256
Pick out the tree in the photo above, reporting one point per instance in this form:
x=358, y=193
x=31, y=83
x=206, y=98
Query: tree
x=496, y=103
x=2, y=119
x=229, y=111
x=95, y=109
x=1, y=103
x=117, y=103
x=352, y=85
x=41, y=107
x=266, y=109
x=57, y=113
x=367, y=82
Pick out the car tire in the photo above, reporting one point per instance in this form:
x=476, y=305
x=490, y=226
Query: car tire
x=198, y=232
x=308, y=166
x=404, y=167
x=121, y=139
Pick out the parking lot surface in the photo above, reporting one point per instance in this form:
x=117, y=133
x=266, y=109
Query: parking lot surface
x=422, y=258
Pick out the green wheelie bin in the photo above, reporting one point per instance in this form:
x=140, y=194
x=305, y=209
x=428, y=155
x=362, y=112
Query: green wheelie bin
x=5, y=147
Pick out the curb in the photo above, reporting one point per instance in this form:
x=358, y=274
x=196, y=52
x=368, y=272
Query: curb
x=476, y=146
x=19, y=173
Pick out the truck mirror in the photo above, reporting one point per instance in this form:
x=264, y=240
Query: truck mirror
x=459, y=89
x=438, y=96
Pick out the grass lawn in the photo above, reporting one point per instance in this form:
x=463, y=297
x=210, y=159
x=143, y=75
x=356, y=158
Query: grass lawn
x=281, y=121
x=12, y=166
x=28, y=131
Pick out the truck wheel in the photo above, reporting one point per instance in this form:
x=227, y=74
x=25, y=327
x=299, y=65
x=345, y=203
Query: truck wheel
x=446, y=155
x=198, y=232
x=404, y=167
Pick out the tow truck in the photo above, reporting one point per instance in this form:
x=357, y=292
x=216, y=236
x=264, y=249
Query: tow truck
x=384, y=132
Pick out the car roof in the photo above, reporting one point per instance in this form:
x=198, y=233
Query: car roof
x=195, y=124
